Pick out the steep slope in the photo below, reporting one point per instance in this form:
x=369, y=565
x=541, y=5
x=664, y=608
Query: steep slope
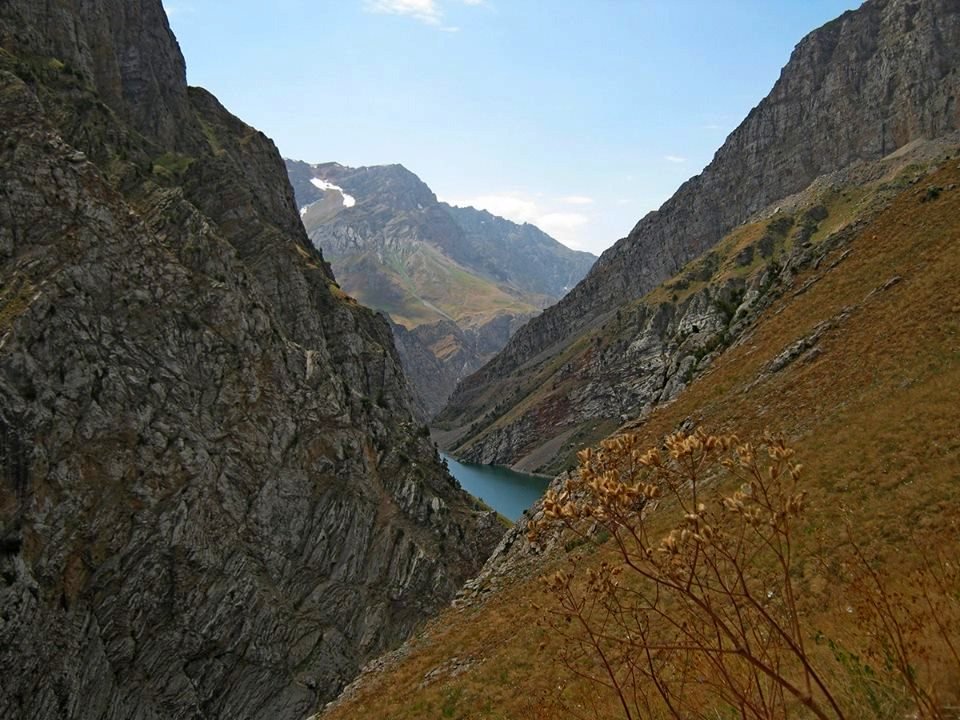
x=648, y=350
x=215, y=501
x=863, y=86
x=458, y=280
x=857, y=362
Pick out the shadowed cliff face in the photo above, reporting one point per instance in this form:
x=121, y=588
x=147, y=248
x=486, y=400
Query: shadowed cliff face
x=857, y=89
x=215, y=501
x=123, y=47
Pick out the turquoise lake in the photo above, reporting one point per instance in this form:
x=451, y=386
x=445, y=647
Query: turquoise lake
x=506, y=491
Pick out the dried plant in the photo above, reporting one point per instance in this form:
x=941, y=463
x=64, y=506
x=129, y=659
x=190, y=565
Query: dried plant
x=703, y=620
x=913, y=634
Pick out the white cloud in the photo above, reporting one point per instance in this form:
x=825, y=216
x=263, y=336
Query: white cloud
x=429, y=12
x=426, y=11
x=674, y=158
x=563, y=226
x=578, y=200
x=512, y=207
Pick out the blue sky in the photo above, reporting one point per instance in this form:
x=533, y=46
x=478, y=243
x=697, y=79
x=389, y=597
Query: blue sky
x=578, y=116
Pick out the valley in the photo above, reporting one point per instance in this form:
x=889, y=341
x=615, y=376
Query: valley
x=821, y=308
x=871, y=404
x=284, y=440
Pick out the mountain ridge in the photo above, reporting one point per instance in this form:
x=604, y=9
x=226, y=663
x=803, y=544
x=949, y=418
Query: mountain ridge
x=458, y=280
x=843, y=97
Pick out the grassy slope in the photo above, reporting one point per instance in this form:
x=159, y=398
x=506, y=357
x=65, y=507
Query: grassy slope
x=547, y=378
x=874, y=418
x=422, y=285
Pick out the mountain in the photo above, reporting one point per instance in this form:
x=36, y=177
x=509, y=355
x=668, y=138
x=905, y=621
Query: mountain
x=873, y=83
x=830, y=316
x=456, y=282
x=215, y=499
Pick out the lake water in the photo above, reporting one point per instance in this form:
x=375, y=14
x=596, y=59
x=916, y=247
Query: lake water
x=506, y=491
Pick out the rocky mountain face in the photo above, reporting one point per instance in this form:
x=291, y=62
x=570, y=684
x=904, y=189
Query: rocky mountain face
x=456, y=282
x=521, y=256
x=436, y=355
x=648, y=351
x=215, y=500
x=870, y=83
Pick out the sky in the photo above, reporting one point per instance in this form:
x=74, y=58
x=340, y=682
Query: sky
x=579, y=116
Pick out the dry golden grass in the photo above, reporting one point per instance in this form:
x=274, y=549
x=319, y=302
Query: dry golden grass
x=714, y=614
x=874, y=418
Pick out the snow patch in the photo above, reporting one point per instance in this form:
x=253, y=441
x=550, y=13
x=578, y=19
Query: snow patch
x=323, y=184
x=320, y=184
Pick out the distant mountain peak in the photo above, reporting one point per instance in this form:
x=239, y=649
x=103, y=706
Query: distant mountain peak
x=474, y=276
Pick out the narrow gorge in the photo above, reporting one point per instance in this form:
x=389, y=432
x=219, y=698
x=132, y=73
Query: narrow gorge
x=237, y=390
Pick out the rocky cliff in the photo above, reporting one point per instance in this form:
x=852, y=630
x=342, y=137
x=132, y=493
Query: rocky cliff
x=435, y=356
x=858, y=89
x=216, y=502
x=457, y=282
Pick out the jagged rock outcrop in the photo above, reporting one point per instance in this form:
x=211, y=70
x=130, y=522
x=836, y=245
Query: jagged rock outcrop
x=459, y=281
x=857, y=89
x=215, y=500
